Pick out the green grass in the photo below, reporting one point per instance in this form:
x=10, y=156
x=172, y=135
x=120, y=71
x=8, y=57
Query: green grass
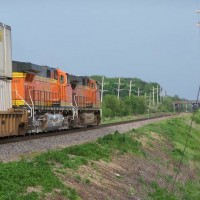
x=16, y=177
x=40, y=171
x=176, y=130
x=197, y=116
x=161, y=193
x=103, y=148
x=190, y=190
x=108, y=120
x=118, y=119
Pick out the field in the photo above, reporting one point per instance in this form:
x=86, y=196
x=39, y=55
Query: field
x=139, y=164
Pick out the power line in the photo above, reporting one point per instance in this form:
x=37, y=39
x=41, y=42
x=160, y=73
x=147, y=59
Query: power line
x=186, y=142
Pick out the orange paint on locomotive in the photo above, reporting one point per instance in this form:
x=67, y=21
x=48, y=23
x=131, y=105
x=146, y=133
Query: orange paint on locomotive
x=87, y=95
x=42, y=91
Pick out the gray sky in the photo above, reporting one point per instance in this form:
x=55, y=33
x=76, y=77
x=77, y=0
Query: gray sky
x=153, y=40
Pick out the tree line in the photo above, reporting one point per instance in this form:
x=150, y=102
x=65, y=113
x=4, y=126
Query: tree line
x=134, y=104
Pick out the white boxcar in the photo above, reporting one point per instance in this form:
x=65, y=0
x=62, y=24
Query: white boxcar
x=5, y=51
x=5, y=94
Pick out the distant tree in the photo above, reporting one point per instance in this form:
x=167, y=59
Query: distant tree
x=176, y=98
x=167, y=105
x=111, y=106
x=122, y=107
x=137, y=104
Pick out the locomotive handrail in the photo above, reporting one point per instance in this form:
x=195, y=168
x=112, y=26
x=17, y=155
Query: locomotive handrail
x=75, y=107
x=75, y=101
x=101, y=112
x=24, y=102
x=33, y=106
x=75, y=113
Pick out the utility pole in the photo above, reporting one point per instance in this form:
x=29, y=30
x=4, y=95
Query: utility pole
x=165, y=94
x=174, y=108
x=153, y=96
x=186, y=106
x=150, y=99
x=118, y=88
x=138, y=91
x=157, y=95
x=160, y=95
x=145, y=96
x=102, y=88
x=130, y=88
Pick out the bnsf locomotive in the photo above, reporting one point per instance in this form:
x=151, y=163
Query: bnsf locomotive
x=37, y=98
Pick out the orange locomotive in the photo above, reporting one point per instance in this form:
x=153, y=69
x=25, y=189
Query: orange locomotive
x=54, y=99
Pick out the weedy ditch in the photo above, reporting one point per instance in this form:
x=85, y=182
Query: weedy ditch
x=16, y=177
x=139, y=164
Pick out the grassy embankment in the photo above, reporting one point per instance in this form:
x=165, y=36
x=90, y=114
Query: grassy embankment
x=141, y=163
x=108, y=120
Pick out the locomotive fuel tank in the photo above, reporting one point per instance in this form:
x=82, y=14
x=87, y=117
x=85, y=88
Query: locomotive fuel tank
x=87, y=118
x=49, y=122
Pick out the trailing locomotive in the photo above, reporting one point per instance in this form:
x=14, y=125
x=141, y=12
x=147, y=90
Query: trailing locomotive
x=36, y=98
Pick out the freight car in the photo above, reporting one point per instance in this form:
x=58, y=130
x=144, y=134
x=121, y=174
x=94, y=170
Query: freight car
x=10, y=119
x=35, y=98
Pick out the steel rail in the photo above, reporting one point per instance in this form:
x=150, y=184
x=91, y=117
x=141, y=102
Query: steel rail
x=14, y=139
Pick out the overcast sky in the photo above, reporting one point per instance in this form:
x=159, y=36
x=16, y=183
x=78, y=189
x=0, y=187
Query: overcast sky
x=154, y=40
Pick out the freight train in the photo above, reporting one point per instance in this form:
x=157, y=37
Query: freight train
x=35, y=98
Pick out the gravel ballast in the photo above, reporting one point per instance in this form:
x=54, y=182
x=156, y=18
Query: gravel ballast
x=15, y=151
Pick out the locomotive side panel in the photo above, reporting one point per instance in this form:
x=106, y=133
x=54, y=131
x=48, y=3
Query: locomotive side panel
x=94, y=94
x=69, y=92
x=62, y=85
x=18, y=93
x=40, y=86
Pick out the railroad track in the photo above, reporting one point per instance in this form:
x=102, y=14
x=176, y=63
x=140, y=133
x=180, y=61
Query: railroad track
x=15, y=139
